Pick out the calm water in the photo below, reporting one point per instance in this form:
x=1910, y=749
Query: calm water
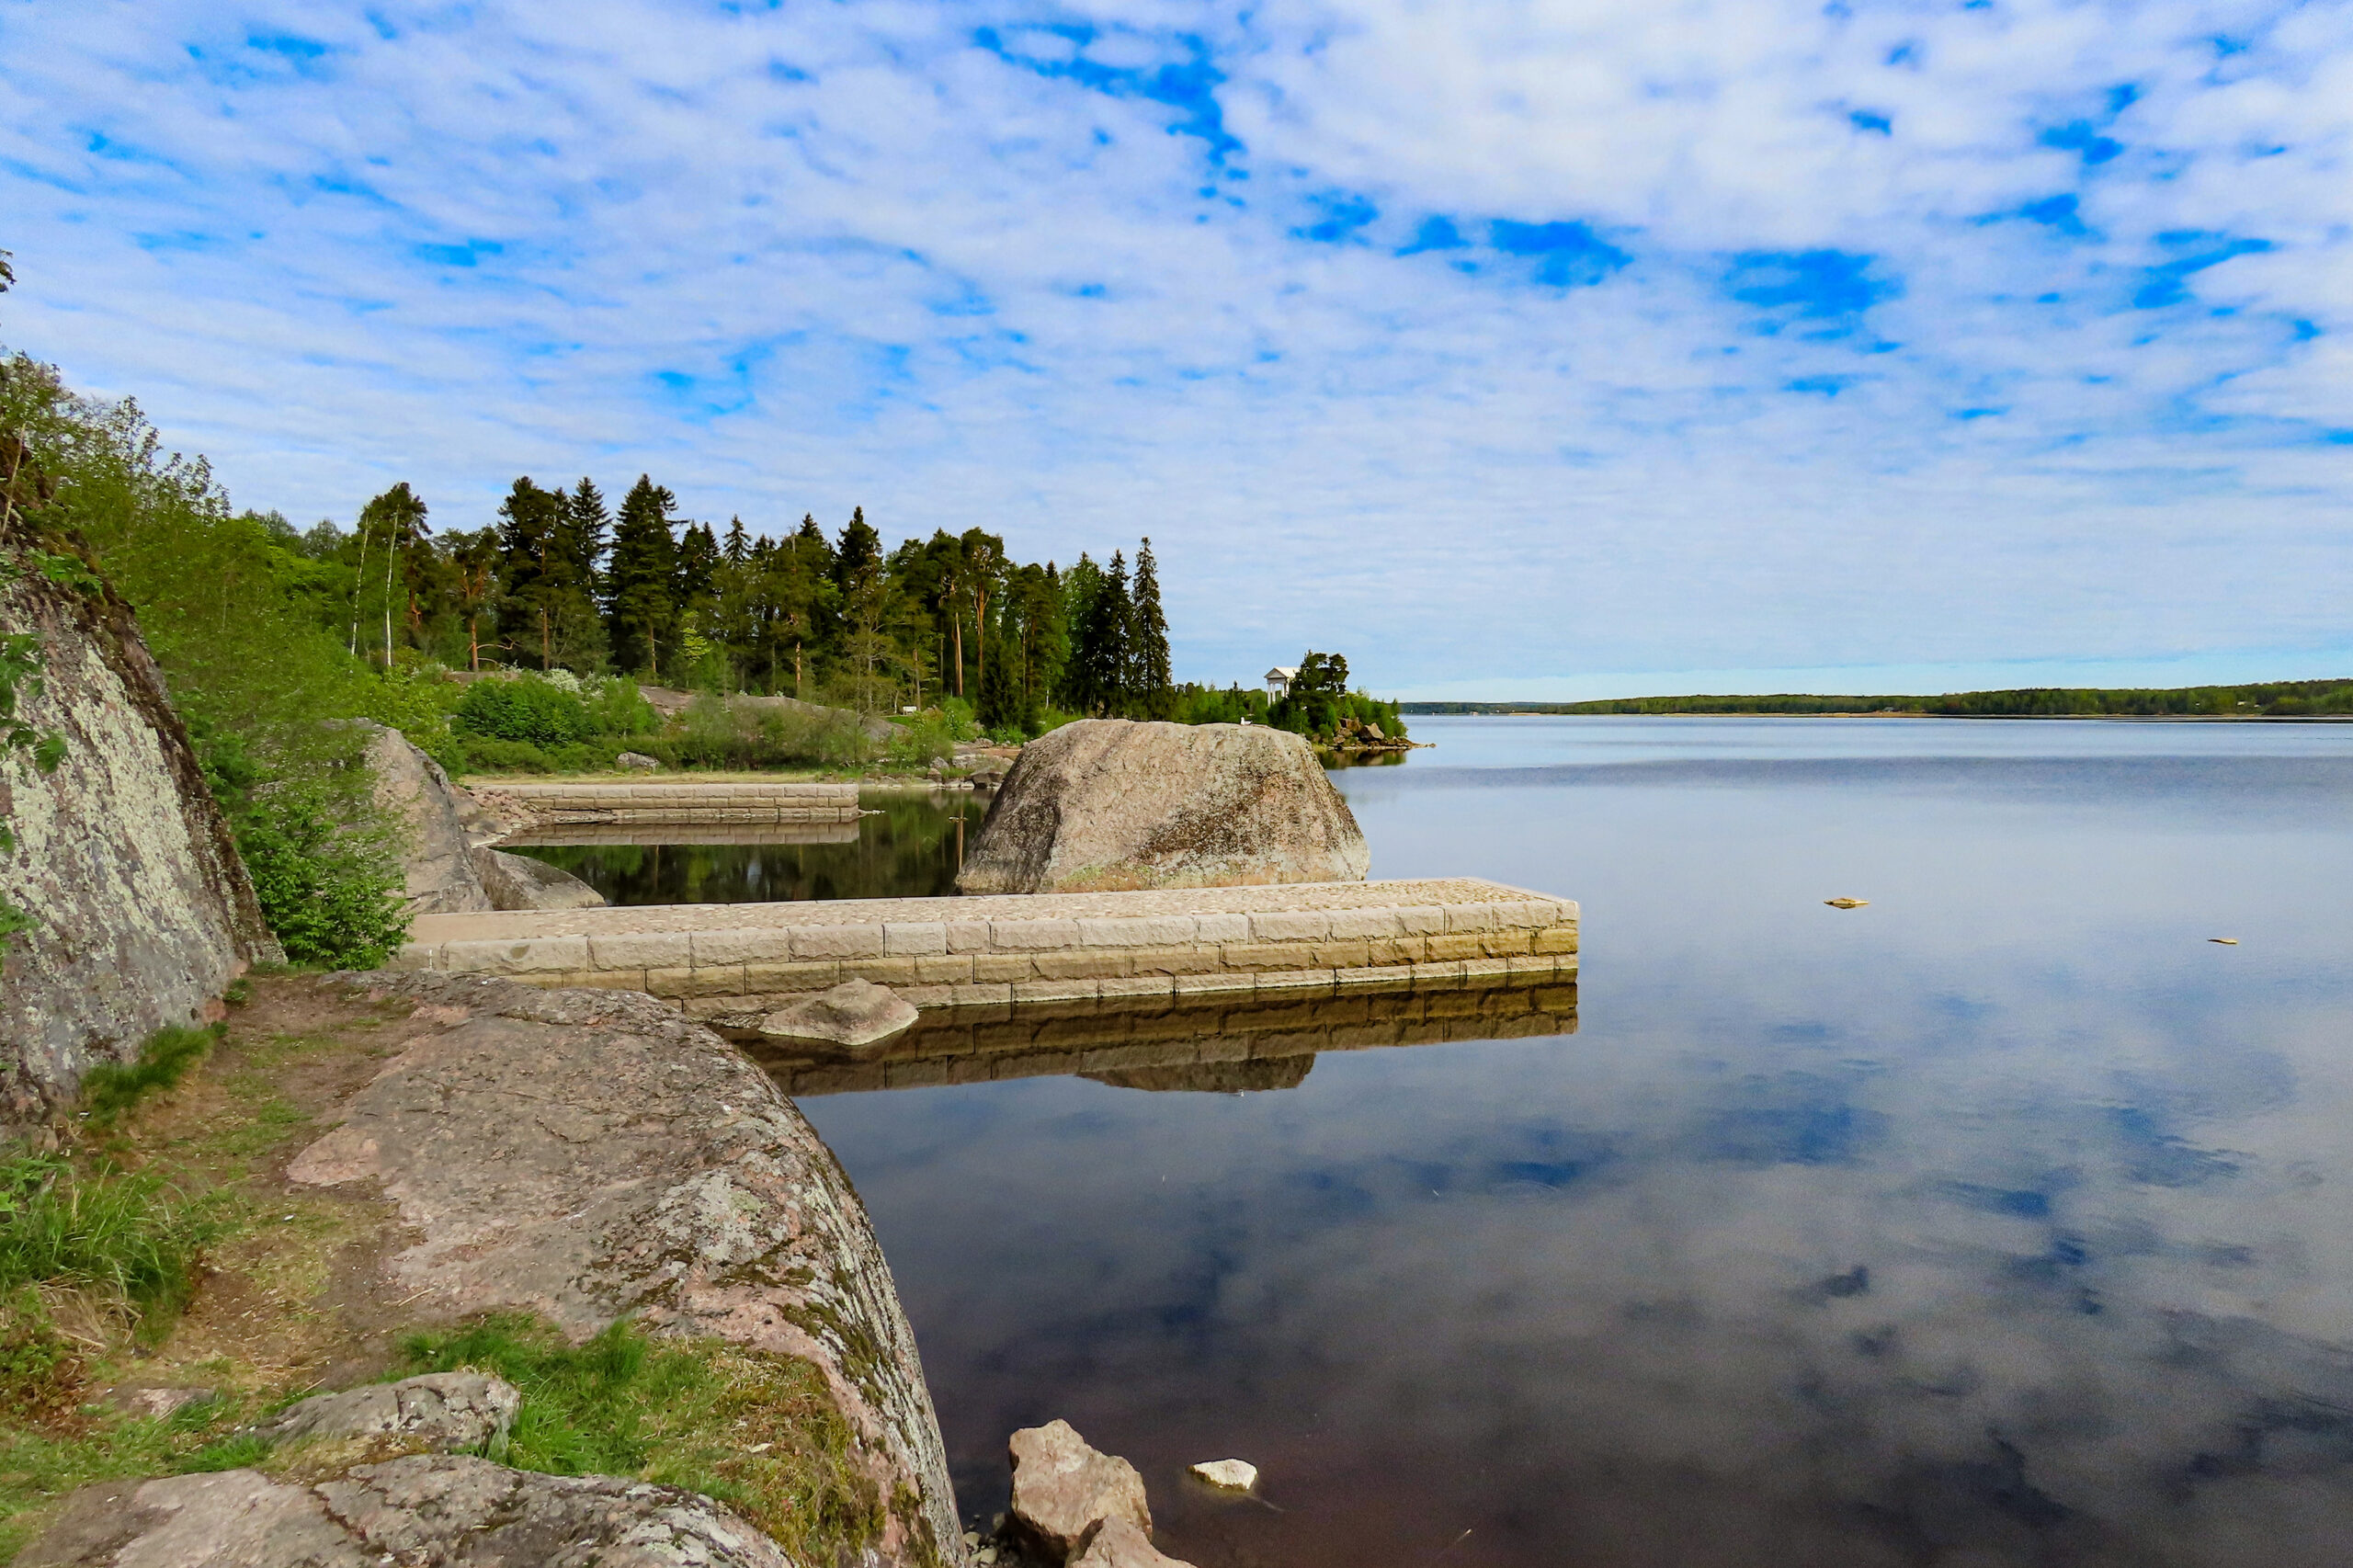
x=2004, y=1221
x=910, y=847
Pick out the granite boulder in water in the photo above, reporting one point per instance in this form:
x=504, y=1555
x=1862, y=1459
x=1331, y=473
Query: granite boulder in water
x=1109, y=805
x=1063, y=1491
x=856, y=1012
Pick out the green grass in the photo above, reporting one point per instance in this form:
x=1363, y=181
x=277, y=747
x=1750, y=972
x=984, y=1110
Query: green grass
x=759, y=1432
x=126, y=1237
x=110, y=1089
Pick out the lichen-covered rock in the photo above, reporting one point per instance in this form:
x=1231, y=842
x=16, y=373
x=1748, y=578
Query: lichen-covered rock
x=424, y=1511
x=855, y=1013
x=585, y=1154
x=1063, y=1489
x=142, y=913
x=428, y=812
x=1105, y=804
x=525, y=881
x=438, y=1410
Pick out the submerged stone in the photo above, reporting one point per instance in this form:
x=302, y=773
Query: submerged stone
x=856, y=1012
x=1235, y=1475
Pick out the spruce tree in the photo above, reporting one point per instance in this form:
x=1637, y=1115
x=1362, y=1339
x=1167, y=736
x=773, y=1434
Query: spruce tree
x=643, y=612
x=1101, y=656
x=1148, y=641
x=859, y=553
x=531, y=568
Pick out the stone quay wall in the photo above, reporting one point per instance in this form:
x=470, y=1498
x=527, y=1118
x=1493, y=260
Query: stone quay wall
x=576, y=803
x=1297, y=939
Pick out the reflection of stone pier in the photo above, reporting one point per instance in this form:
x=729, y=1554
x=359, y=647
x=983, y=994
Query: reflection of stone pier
x=1167, y=945
x=1206, y=1044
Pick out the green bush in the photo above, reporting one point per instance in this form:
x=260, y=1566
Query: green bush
x=111, y=1088
x=332, y=894
x=525, y=708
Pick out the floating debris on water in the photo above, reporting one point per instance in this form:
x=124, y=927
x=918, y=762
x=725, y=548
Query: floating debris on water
x=2224, y=941
x=1845, y=902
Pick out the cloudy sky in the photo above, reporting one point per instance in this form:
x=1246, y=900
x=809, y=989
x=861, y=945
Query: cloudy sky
x=1513, y=347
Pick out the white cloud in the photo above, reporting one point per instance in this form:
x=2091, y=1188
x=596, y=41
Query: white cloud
x=807, y=258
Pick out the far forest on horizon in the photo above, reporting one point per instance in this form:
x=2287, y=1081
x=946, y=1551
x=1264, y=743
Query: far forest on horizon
x=2271, y=699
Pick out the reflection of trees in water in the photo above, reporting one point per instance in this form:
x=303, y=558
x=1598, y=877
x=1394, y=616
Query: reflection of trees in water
x=912, y=848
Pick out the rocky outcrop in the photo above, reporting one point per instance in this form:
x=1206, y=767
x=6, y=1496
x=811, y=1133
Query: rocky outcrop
x=1116, y=1543
x=421, y=1511
x=855, y=1013
x=142, y=910
x=445, y=834
x=1105, y=804
x=587, y=1155
x=1063, y=1491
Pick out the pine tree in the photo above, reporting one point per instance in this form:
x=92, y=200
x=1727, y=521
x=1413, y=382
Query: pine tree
x=1149, y=677
x=643, y=611
x=738, y=548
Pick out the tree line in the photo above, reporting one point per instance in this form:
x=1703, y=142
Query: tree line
x=2268, y=700
x=561, y=580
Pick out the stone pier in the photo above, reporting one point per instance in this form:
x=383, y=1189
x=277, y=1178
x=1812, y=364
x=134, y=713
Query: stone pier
x=717, y=959
x=561, y=803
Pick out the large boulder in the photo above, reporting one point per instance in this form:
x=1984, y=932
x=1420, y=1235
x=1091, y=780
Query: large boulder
x=443, y=837
x=424, y=808
x=425, y=1511
x=141, y=913
x=855, y=1013
x=525, y=881
x=1106, y=804
x=589, y=1156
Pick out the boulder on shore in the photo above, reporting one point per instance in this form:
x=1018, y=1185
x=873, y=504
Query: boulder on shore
x=1116, y=1543
x=444, y=834
x=525, y=881
x=1063, y=1491
x=1109, y=805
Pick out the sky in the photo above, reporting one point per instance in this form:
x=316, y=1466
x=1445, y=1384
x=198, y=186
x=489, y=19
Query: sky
x=1512, y=349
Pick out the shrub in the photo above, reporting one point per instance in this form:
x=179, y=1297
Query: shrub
x=526, y=708
x=331, y=893
x=718, y=732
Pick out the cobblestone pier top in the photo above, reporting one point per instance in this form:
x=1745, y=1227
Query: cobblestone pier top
x=556, y=803
x=717, y=958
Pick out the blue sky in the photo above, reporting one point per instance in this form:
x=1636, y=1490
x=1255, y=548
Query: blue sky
x=1512, y=349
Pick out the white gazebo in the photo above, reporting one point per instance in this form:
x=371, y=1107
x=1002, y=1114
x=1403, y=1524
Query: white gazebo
x=1278, y=680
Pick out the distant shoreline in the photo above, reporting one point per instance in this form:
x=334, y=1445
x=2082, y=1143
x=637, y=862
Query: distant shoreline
x=2303, y=701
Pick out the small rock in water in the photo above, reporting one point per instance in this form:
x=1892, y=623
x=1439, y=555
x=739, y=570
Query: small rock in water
x=1235, y=1475
x=1845, y=902
x=856, y=1012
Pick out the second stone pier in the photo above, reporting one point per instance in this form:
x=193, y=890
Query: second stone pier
x=728, y=957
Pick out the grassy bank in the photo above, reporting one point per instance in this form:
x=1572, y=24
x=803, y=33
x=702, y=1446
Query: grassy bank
x=160, y=1246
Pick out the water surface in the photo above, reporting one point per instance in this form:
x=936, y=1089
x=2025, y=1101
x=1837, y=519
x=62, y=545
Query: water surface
x=2003, y=1221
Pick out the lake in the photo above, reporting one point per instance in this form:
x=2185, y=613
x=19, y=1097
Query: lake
x=2004, y=1220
